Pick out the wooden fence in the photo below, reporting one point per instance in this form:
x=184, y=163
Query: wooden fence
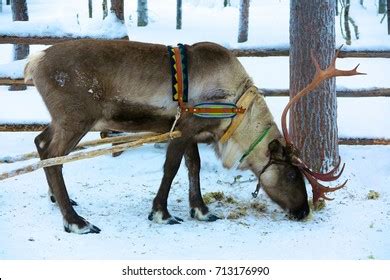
x=250, y=52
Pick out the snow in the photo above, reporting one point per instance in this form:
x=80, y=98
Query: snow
x=116, y=193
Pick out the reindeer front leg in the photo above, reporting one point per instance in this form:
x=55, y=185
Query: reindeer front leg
x=175, y=152
x=199, y=210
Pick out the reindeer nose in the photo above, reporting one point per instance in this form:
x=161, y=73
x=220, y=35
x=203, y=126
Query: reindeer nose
x=301, y=213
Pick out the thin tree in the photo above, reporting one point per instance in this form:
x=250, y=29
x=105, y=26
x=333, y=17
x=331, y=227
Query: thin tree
x=388, y=17
x=1, y=6
x=313, y=122
x=243, y=21
x=179, y=6
x=105, y=10
x=382, y=7
x=226, y=3
x=142, y=11
x=90, y=8
x=117, y=9
x=8, y=2
x=21, y=51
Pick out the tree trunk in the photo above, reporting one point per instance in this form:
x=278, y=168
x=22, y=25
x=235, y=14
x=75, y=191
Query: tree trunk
x=313, y=121
x=90, y=8
x=117, y=8
x=243, y=21
x=347, y=28
x=388, y=17
x=19, y=13
x=1, y=6
x=8, y=2
x=382, y=7
x=226, y=3
x=179, y=5
x=105, y=10
x=142, y=11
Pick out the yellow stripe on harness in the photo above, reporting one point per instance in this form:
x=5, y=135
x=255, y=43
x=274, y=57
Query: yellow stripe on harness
x=244, y=102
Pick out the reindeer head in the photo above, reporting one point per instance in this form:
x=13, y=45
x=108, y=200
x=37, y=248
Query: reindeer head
x=282, y=176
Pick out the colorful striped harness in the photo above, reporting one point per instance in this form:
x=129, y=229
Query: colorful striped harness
x=179, y=69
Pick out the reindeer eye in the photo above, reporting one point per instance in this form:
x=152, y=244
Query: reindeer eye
x=291, y=174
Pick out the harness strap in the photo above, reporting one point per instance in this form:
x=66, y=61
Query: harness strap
x=180, y=86
x=255, y=143
x=245, y=100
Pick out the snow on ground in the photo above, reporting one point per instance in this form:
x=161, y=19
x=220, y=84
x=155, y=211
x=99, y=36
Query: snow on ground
x=116, y=195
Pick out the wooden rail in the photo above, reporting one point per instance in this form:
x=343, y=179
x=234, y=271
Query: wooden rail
x=5, y=39
x=342, y=141
x=253, y=52
x=376, y=92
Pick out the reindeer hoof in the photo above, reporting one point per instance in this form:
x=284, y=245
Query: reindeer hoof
x=81, y=227
x=157, y=217
x=196, y=213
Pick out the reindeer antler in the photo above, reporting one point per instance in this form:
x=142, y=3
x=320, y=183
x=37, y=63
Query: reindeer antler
x=320, y=75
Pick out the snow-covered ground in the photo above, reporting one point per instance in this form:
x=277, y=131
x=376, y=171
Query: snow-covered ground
x=116, y=193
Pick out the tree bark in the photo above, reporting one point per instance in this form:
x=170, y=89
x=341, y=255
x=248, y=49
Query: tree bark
x=1, y=6
x=105, y=10
x=243, y=21
x=90, y=8
x=179, y=5
x=313, y=121
x=117, y=8
x=21, y=51
x=142, y=11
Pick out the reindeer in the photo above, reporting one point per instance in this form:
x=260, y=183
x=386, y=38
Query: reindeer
x=126, y=86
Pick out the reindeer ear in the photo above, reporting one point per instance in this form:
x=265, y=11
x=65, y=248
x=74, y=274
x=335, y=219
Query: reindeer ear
x=274, y=146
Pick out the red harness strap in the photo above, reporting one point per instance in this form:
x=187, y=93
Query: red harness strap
x=196, y=110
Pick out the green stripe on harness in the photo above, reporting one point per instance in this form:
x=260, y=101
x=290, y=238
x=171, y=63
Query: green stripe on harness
x=254, y=144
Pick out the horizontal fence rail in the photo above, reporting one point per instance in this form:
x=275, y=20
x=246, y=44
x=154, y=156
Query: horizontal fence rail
x=374, y=92
x=253, y=52
x=342, y=140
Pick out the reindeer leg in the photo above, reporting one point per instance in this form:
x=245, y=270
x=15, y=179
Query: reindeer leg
x=199, y=210
x=175, y=152
x=61, y=143
x=42, y=141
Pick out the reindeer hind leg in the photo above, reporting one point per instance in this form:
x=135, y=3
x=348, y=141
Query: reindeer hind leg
x=62, y=141
x=42, y=142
